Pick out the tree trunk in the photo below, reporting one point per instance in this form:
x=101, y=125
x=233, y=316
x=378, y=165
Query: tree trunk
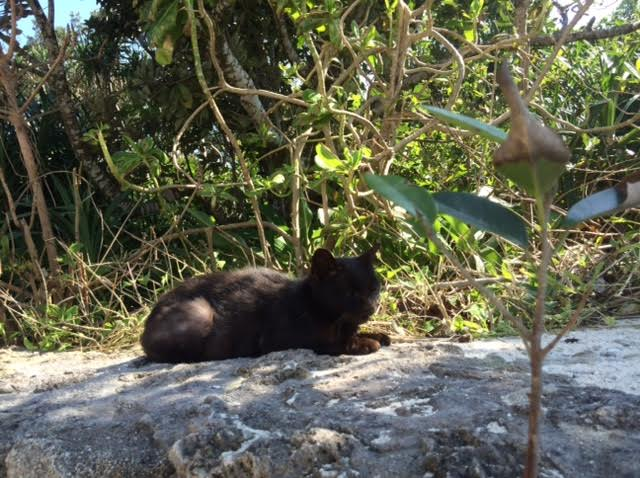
x=83, y=152
x=21, y=127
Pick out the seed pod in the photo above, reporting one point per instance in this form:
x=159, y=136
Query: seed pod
x=533, y=156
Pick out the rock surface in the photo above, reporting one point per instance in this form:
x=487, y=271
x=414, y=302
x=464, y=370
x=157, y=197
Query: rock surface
x=415, y=409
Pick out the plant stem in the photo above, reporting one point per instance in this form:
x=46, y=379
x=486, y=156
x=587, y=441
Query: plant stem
x=9, y=83
x=253, y=198
x=296, y=187
x=490, y=296
x=536, y=354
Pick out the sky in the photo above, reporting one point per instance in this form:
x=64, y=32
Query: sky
x=64, y=10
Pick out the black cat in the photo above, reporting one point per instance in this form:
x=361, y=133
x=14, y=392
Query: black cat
x=254, y=311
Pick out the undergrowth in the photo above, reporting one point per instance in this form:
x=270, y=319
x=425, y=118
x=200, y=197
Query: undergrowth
x=107, y=299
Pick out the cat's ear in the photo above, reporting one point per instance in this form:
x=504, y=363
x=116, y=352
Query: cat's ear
x=323, y=263
x=370, y=255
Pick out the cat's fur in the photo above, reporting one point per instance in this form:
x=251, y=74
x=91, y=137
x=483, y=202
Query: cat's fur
x=254, y=311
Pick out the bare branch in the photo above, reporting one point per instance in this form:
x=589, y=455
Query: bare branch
x=4, y=58
x=56, y=63
x=586, y=35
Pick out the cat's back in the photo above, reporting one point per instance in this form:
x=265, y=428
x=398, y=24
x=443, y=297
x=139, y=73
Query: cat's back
x=214, y=316
x=251, y=285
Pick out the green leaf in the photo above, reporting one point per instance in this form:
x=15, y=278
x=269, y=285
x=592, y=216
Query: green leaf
x=202, y=217
x=476, y=8
x=537, y=178
x=208, y=190
x=470, y=35
x=469, y=124
x=278, y=179
x=164, y=32
x=598, y=204
x=483, y=214
x=325, y=158
x=186, y=98
x=28, y=344
x=164, y=54
x=311, y=96
x=413, y=199
x=164, y=24
x=126, y=161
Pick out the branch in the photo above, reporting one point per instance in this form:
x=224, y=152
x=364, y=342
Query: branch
x=53, y=67
x=556, y=49
x=14, y=35
x=487, y=293
x=34, y=61
x=202, y=230
x=595, y=130
x=220, y=118
x=587, y=35
x=284, y=35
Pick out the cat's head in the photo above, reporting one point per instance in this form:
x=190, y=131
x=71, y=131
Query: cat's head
x=345, y=288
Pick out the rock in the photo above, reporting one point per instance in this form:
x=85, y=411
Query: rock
x=415, y=409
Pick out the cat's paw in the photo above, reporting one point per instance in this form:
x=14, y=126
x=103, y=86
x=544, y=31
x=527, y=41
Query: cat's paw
x=363, y=346
x=383, y=339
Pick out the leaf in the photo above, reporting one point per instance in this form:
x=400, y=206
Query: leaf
x=202, y=217
x=186, y=98
x=413, y=199
x=506, y=273
x=598, y=204
x=126, y=161
x=476, y=8
x=164, y=54
x=325, y=158
x=28, y=344
x=483, y=214
x=164, y=32
x=164, y=24
x=470, y=35
x=278, y=179
x=208, y=190
x=535, y=178
x=469, y=124
x=311, y=96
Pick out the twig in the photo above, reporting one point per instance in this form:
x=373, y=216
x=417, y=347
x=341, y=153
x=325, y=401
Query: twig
x=490, y=296
x=220, y=119
x=6, y=58
x=461, y=68
x=564, y=34
x=596, y=130
x=536, y=355
x=587, y=35
x=54, y=66
x=296, y=183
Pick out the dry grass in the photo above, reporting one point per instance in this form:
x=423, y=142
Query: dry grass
x=105, y=302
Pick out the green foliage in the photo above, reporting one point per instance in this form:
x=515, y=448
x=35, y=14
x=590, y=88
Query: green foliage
x=416, y=201
x=484, y=214
x=469, y=124
x=339, y=116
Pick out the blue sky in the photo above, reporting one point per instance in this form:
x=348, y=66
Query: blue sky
x=64, y=10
